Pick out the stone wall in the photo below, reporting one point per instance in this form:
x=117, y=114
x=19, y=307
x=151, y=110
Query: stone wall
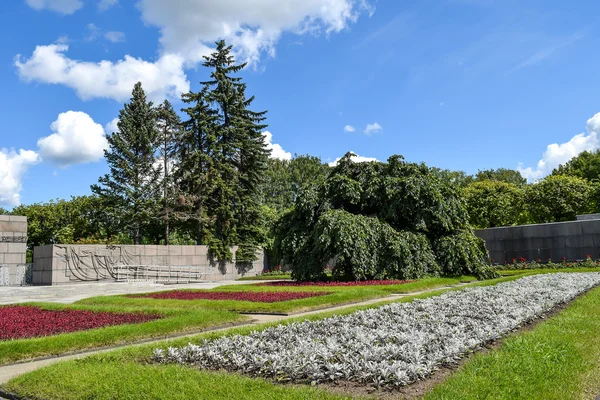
x=60, y=264
x=13, y=247
x=573, y=240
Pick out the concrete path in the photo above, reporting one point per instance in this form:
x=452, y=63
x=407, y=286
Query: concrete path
x=9, y=372
x=74, y=292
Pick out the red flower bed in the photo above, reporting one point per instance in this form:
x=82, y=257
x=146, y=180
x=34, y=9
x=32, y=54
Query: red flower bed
x=263, y=297
x=353, y=283
x=18, y=322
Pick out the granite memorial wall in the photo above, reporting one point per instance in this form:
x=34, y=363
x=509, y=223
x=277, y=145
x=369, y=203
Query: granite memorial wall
x=573, y=240
x=59, y=264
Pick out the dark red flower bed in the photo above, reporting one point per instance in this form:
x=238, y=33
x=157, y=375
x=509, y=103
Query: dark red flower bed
x=19, y=322
x=353, y=283
x=263, y=297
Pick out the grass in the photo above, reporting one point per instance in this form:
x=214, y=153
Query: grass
x=182, y=316
x=337, y=295
x=128, y=373
x=103, y=378
x=565, y=355
x=173, y=321
x=558, y=359
x=266, y=277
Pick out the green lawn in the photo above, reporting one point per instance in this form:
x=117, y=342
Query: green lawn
x=266, y=277
x=174, y=321
x=106, y=378
x=129, y=374
x=559, y=359
x=337, y=295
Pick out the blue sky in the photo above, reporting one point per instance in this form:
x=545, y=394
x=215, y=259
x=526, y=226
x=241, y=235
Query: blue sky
x=459, y=84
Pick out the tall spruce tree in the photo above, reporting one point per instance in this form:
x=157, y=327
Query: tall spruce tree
x=222, y=161
x=196, y=168
x=251, y=167
x=169, y=124
x=133, y=184
x=222, y=92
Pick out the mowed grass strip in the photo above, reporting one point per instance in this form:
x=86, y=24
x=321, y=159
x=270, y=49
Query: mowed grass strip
x=107, y=379
x=266, y=277
x=559, y=359
x=337, y=295
x=172, y=321
x=101, y=376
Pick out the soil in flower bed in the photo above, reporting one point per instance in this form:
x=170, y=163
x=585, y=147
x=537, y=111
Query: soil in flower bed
x=262, y=297
x=22, y=322
x=353, y=283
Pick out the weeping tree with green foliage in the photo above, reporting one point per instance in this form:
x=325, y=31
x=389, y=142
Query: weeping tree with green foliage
x=375, y=220
x=132, y=186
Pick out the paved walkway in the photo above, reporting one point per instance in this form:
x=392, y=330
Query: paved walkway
x=74, y=292
x=9, y=372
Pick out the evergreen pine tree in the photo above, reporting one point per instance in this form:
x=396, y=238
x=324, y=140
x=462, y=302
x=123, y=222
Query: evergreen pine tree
x=252, y=164
x=133, y=184
x=169, y=124
x=196, y=168
x=222, y=159
x=223, y=91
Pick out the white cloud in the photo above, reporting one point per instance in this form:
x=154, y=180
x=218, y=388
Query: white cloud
x=104, y=5
x=557, y=154
x=373, y=128
x=253, y=27
x=276, y=149
x=115, y=36
x=355, y=158
x=188, y=30
x=62, y=39
x=105, y=79
x=112, y=126
x=13, y=166
x=77, y=139
x=349, y=128
x=92, y=32
x=65, y=7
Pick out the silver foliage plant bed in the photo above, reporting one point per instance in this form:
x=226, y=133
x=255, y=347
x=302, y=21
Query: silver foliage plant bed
x=393, y=345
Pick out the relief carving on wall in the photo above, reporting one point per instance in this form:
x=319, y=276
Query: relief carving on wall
x=92, y=263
